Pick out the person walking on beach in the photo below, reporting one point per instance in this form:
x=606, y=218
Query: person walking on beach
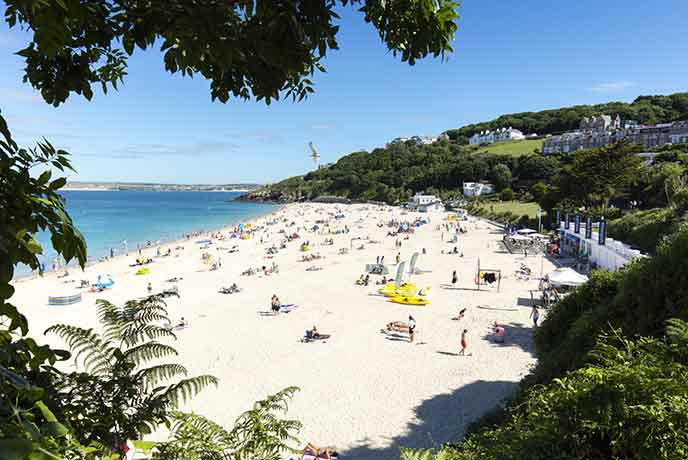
x=398, y=257
x=535, y=314
x=412, y=328
x=464, y=342
x=150, y=288
x=455, y=278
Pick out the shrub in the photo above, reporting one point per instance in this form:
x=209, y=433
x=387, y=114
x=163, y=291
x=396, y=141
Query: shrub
x=506, y=195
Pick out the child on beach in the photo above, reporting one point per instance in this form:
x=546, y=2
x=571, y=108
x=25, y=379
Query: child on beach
x=412, y=328
x=535, y=314
x=464, y=342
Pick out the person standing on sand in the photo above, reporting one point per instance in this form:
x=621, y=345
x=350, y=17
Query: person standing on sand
x=398, y=257
x=464, y=342
x=535, y=314
x=412, y=328
x=455, y=278
x=150, y=288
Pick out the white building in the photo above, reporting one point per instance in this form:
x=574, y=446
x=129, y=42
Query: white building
x=498, y=135
x=477, y=188
x=426, y=203
x=420, y=140
x=611, y=256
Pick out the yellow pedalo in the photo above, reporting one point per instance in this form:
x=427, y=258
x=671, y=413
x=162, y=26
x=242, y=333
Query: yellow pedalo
x=389, y=289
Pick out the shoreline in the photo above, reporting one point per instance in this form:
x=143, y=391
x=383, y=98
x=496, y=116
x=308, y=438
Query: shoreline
x=111, y=189
x=163, y=243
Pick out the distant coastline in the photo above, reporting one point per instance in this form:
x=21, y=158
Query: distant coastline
x=119, y=186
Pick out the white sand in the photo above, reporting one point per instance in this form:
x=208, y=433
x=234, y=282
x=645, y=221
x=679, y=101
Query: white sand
x=361, y=391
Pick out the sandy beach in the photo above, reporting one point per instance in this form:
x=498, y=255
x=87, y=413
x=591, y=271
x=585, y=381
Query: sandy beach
x=362, y=391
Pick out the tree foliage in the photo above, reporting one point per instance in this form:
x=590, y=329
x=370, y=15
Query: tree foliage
x=258, y=434
x=245, y=49
x=598, y=175
x=392, y=174
x=123, y=391
x=29, y=203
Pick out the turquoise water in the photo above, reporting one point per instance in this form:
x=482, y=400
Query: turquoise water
x=109, y=218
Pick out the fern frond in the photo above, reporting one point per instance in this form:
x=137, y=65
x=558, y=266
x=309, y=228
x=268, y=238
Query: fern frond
x=150, y=376
x=186, y=389
x=186, y=427
x=84, y=341
x=149, y=351
x=133, y=334
x=677, y=331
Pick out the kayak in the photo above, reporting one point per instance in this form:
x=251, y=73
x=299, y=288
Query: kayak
x=409, y=299
x=405, y=288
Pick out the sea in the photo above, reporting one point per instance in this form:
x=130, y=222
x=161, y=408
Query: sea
x=124, y=220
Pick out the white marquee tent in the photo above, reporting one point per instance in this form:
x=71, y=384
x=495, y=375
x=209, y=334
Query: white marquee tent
x=566, y=277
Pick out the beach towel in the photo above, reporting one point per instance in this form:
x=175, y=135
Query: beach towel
x=287, y=308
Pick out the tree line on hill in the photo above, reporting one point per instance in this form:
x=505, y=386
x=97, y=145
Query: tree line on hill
x=393, y=173
x=644, y=110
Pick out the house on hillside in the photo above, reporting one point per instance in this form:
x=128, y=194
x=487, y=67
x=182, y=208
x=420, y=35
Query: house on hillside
x=471, y=189
x=599, y=131
x=498, y=135
x=425, y=203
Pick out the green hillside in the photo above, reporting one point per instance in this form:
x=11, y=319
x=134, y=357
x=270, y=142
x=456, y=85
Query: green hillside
x=517, y=148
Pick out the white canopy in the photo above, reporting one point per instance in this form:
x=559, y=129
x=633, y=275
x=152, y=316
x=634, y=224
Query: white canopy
x=520, y=237
x=526, y=231
x=566, y=277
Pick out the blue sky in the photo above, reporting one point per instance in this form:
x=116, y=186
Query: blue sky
x=510, y=56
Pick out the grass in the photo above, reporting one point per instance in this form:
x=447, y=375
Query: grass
x=516, y=208
x=513, y=148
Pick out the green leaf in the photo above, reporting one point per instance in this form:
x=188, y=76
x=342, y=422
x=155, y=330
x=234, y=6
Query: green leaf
x=45, y=177
x=34, y=246
x=58, y=183
x=54, y=429
x=47, y=413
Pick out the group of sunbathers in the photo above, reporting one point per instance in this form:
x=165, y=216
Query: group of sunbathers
x=313, y=452
x=231, y=289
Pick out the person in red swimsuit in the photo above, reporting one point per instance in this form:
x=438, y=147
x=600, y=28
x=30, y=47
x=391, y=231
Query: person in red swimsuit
x=464, y=342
